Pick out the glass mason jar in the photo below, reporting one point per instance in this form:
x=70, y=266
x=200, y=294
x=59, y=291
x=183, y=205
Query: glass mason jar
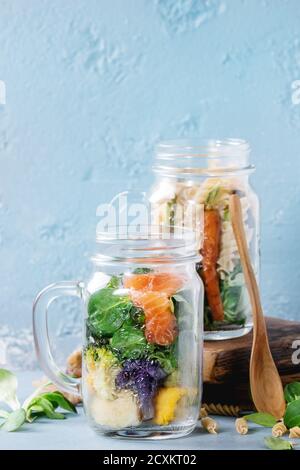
x=142, y=340
x=194, y=182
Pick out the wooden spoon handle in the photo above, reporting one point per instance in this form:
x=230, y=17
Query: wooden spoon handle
x=252, y=287
x=265, y=383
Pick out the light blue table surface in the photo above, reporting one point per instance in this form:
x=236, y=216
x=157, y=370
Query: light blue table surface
x=74, y=433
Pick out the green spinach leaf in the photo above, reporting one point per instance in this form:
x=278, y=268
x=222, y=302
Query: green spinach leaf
x=107, y=312
x=137, y=315
x=166, y=356
x=129, y=342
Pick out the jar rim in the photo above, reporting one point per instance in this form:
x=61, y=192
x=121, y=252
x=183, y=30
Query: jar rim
x=150, y=244
x=210, y=157
x=206, y=145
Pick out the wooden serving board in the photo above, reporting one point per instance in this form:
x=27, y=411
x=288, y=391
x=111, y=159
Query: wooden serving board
x=226, y=363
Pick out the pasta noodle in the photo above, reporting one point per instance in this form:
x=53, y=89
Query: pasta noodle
x=279, y=429
x=241, y=425
x=295, y=432
x=210, y=425
x=203, y=413
x=223, y=410
x=186, y=196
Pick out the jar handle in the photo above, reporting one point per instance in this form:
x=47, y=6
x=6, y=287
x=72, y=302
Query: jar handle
x=40, y=331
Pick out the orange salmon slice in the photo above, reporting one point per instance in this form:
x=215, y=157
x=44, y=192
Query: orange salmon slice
x=159, y=282
x=160, y=322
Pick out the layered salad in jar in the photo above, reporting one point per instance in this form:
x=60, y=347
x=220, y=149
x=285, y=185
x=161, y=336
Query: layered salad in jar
x=204, y=207
x=140, y=359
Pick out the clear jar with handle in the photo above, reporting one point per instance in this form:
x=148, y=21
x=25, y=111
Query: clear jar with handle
x=142, y=335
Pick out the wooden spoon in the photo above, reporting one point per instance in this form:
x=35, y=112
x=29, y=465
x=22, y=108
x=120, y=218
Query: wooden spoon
x=265, y=382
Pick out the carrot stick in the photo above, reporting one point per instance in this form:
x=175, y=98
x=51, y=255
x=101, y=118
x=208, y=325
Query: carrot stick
x=210, y=252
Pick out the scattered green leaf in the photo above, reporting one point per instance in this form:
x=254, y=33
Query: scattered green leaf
x=8, y=389
x=292, y=414
x=38, y=391
x=292, y=392
x=43, y=406
x=46, y=404
x=37, y=404
x=14, y=420
x=276, y=443
x=263, y=419
x=33, y=413
x=59, y=401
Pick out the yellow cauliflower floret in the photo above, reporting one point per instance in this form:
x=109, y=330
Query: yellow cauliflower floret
x=165, y=404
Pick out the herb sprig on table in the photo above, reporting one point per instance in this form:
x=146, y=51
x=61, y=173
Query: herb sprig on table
x=291, y=418
x=39, y=404
x=276, y=443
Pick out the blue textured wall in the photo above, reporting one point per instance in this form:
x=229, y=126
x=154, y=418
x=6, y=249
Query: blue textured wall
x=93, y=84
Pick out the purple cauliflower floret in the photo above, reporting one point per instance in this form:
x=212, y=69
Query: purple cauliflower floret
x=142, y=376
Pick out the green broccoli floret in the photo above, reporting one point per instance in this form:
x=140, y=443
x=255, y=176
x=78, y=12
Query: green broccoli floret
x=102, y=368
x=96, y=354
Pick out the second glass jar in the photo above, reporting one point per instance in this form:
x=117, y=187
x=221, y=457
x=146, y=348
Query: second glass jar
x=193, y=186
